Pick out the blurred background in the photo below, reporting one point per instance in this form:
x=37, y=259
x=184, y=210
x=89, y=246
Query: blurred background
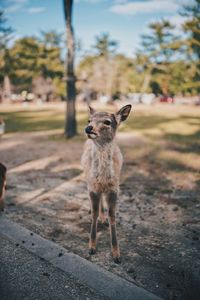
x=107, y=53
x=139, y=51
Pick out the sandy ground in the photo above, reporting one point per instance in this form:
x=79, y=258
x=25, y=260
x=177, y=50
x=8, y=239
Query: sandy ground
x=158, y=225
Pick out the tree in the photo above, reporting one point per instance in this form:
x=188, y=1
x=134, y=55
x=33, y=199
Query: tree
x=192, y=29
x=159, y=48
x=159, y=44
x=104, y=67
x=25, y=53
x=70, y=123
x=37, y=65
x=192, y=25
x=50, y=65
x=105, y=46
x=5, y=57
x=5, y=32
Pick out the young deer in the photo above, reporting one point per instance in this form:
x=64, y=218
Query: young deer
x=102, y=162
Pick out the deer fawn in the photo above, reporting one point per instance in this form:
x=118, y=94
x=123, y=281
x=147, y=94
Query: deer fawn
x=102, y=162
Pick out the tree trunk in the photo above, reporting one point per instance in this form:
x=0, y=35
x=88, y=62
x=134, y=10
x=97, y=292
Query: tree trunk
x=70, y=120
x=6, y=88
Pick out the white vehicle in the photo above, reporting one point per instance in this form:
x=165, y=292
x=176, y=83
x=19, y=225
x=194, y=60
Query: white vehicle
x=2, y=127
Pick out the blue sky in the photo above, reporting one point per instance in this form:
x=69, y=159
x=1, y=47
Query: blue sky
x=124, y=20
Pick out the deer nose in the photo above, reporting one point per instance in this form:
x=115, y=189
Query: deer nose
x=88, y=129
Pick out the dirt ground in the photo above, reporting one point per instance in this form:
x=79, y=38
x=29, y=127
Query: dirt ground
x=158, y=222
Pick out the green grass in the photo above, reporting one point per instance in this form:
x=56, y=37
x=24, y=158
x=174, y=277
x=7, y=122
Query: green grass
x=38, y=120
x=34, y=120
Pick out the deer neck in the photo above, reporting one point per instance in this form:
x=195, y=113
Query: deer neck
x=102, y=159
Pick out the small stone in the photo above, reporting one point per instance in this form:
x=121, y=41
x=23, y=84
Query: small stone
x=60, y=254
x=130, y=270
x=175, y=208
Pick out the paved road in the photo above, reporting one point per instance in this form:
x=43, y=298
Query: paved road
x=23, y=275
x=32, y=267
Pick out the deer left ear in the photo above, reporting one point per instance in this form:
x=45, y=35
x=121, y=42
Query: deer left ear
x=123, y=113
x=91, y=110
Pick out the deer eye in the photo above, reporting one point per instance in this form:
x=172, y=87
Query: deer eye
x=107, y=122
x=89, y=121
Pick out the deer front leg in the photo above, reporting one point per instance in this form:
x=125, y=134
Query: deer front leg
x=111, y=199
x=95, y=200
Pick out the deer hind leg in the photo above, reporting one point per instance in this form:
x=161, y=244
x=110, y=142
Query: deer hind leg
x=95, y=201
x=111, y=199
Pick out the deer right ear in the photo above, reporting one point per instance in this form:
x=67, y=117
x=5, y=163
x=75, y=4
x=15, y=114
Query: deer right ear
x=123, y=113
x=91, y=110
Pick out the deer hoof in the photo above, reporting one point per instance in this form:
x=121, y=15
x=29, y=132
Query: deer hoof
x=92, y=251
x=117, y=260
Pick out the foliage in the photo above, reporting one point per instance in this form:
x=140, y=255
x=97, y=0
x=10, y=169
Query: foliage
x=106, y=73
x=5, y=58
x=105, y=46
x=192, y=28
x=170, y=63
x=165, y=63
x=37, y=62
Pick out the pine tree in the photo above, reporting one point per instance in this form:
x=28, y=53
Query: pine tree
x=192, y=29
x=5, y=57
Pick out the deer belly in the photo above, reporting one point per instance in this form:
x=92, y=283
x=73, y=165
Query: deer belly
x=102, y=183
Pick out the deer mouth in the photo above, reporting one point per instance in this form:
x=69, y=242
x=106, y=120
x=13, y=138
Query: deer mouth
x=92, y=135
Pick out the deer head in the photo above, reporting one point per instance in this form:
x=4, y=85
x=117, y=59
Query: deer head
x=103, y=125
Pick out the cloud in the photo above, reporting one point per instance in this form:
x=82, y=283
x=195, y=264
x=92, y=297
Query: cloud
x=36, y=10
x=145, y=7
x=90, y=1
x=12, y=6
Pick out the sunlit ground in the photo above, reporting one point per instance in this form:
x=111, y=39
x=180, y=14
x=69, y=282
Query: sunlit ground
x=173, y=132
x=158, y=221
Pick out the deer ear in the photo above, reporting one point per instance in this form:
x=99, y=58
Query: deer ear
x=91, y=110
x=123, y=113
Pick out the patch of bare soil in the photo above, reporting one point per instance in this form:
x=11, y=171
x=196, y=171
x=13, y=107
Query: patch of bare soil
x=158, y=223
